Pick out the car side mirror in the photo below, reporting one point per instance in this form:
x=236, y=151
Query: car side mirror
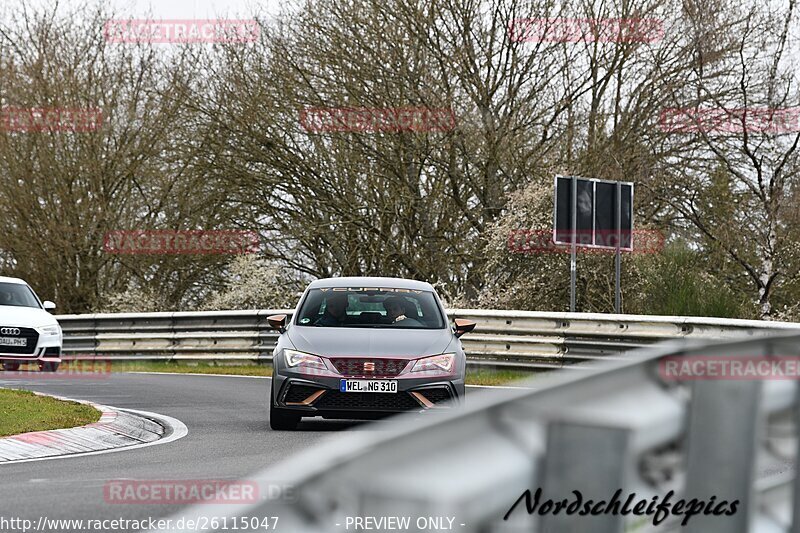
x=463, y=326
x=48, y=305
x=277, y=322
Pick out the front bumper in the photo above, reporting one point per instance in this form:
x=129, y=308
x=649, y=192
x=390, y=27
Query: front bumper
x=320, y=396
x=47, y=349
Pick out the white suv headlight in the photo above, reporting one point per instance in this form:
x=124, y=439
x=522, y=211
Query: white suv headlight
x=51, y=330
x=438, y=363
x=305, y=360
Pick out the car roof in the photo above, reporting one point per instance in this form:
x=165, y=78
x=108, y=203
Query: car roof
x=18, y=281
x=371, y=282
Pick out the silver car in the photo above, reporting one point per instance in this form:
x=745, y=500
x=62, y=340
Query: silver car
x=362, y=348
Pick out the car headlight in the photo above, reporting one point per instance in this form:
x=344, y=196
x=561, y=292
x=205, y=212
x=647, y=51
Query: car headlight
x=305, y=360
x=51, y=330
x=438, y=363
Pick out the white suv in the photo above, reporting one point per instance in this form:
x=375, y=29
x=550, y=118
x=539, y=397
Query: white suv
x=28, y=332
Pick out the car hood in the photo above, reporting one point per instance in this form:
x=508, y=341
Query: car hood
x=405, y=343
x=28, y=317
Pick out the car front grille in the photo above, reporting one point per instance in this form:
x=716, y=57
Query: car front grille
x=30, y=334
x=367, y=401
x=436, y=394
x=368, y=367
x=299, y=393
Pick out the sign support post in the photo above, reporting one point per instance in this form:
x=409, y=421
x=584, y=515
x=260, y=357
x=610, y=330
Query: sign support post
x=573, y=255
x=618, y=255
x=600, y=210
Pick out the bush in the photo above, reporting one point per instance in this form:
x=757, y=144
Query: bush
x=675, y=284
x=255, y=283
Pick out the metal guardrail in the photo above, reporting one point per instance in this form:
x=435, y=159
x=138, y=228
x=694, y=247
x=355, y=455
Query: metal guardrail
x=508, y=339
x=620, y=426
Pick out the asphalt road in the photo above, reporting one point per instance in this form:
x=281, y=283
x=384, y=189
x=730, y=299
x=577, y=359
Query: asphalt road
x=229, y=438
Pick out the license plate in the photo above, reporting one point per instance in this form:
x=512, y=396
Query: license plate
x=368, y=385
x=13, y=341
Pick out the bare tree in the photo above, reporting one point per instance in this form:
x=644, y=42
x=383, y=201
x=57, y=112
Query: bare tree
x=62, y=190
x=734, y=179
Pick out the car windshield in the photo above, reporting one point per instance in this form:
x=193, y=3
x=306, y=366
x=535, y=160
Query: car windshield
x=371, y=308
x=17, y=295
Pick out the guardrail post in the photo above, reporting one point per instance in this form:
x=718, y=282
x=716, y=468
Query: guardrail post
x=723, y=431
x=796, y=484
x=173, y=342
x=94, y=336
x=589, y=459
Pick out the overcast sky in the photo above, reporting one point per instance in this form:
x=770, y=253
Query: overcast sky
x=171, y=9
x=194, y=8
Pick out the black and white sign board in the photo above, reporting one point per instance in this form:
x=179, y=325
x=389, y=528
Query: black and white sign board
x=596, y=217
x=593, y=213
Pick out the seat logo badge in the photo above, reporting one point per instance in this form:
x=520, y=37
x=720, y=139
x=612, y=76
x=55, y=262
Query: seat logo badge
x=9, y=331
x=369, y=367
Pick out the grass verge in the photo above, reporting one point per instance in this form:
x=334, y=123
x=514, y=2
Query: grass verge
x=484, y=376
x=23, y=412
x=191, y=367
x=474, y=377
x=481, y=376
